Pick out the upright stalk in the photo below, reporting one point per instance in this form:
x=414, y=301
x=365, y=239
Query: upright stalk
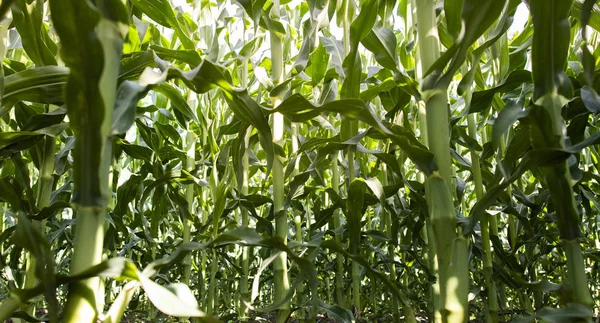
x=4, y=24
x=429, y=235
x=44, y=191
x=280, y=274
x=552, y=90
x=190, y=151
x=490, y=285
x=387, y=225
x=451, y=251
x=349, y=128
x=90, y=99
x=337, y=220
x=244, y=289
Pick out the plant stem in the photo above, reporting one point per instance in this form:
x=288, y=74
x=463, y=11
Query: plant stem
x=246, y=251
x=453, y=275
x=339, y=260
x=212, y=305
x=189, y=196
x=280, y=274
x=89, y=236
x=492, y=304
x=387, y=221
x=549, y=52
x=349, y=128
x=91, y=200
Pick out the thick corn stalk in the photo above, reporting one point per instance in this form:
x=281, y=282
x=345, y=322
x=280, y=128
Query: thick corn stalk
x=280, y=272
x=450, y=250
x=552, y=89
x=91, y=47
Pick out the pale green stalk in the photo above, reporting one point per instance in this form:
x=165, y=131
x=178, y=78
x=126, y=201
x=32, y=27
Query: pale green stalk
x=387, y=224
x=492, y=304
x=493, y=229
x=190, y=152
x=339, y=260
x=429, y=236
x=44, y=191
x=84, y=298
x=189, y=196
x=348, y=130
x=280, y=272
x=212, y=299
x=203, y=201
x=452, y=275
x=558, y=180
x=301, y=313
x=244, y=288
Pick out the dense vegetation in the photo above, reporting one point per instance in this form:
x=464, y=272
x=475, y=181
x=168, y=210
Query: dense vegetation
x=372, y=160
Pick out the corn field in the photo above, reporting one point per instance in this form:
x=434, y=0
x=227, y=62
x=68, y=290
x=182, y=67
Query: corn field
x=300, y=161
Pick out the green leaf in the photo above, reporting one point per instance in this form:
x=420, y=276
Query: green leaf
x=506, y=118
x=354, y=213
x=91, y=86
x=476, y=17
x=319, y=62
x=541, y=157
x=338, y=313
x=41, y=84
x=45, y=120
x=188, y=56
x=550, y=47
x=161, y=12
x=17, y=141
x=580, y=12
x=370, y=93
x=453, y=10
x=126, y=193
x=50, y=211
x=208, y=76
x=173, y=300
x=180, y=175
x=252, y=46
x=573, y=313
x=298, y=109
x=363, y=24
x=128, y=96
x=177, y=100
x=359, y=29
x=28, y=19
x=381, y=41
x=254, y=9
x=30, y=238
x=335, y=48
x=590, y=99
x=10, y=192
x=588, y=60
x=482, y=100
x=307, y=47
x=136, y=151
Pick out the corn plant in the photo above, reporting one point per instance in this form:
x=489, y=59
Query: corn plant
x=309, y=161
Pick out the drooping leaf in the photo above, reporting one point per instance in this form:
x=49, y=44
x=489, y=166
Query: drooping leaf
x=161, y=12
x=41, y=84
x=382, y=43
x=28, y=18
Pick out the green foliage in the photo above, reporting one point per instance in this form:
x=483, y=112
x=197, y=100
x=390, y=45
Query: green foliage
x=137, y=152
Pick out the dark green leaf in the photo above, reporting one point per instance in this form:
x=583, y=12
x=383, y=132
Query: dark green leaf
x=550, y=47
